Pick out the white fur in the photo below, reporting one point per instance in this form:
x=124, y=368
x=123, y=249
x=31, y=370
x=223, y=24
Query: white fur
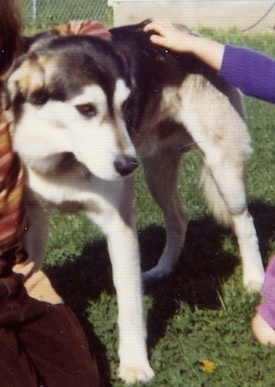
x=43, y=127
x=41, y=135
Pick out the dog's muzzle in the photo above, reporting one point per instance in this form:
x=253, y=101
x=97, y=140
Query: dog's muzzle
x=125, y=165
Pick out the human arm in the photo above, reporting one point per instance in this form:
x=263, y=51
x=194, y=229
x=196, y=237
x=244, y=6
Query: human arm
x=167, y=35
x=251, y=71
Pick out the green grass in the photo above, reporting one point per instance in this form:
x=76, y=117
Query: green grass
x=202, y=312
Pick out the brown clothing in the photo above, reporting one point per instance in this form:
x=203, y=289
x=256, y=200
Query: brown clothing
x=48, y=350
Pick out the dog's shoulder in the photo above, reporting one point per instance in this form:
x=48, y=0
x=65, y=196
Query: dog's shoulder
x=150, y=63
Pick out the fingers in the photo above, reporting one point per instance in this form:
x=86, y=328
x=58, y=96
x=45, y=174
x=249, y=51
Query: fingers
x=159, y=40
x=163, y=32
x=159, y=26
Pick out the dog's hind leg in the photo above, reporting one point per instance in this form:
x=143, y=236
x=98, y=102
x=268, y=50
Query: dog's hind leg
x=219, y=130
x=224, y=187
x=228, y=192
x=161, y=173
x=37, y=234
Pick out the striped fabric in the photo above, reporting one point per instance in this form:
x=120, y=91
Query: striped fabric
x=83, y=27
x=13, y=221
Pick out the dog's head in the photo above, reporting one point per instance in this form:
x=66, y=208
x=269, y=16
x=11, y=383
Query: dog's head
x=67, y=95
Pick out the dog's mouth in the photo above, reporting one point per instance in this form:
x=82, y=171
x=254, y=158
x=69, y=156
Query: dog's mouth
x=67, y=162
x=124, y=165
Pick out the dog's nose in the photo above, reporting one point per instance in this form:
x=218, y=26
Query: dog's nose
x=125, y=165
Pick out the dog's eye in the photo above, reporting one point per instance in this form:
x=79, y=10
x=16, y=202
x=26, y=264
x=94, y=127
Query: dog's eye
x=87, y=109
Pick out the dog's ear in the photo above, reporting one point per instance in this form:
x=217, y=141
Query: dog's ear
x=128, y=68
x=27, y=81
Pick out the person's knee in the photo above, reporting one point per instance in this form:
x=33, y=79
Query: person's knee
x=262, y=331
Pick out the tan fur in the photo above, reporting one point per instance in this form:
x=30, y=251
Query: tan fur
x=37, y=284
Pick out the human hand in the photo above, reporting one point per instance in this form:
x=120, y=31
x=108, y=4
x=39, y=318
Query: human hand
x=167, y=35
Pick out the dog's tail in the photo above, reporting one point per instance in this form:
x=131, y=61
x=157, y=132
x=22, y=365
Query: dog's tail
x=214, y=198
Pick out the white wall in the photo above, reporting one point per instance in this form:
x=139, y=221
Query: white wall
x=241, y=14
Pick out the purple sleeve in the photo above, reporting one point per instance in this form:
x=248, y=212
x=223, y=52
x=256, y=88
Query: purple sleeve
x=267, y=308
x=251, y=71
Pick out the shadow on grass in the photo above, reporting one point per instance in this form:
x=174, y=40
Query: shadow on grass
x=202, y=268
x=264, y=219
x=80, y=281
x=197, y=280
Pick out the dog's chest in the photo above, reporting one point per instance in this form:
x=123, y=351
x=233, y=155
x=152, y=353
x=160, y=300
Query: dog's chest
x=66, y=192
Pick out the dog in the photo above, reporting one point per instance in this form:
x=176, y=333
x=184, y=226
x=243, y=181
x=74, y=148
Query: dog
x=86, y=111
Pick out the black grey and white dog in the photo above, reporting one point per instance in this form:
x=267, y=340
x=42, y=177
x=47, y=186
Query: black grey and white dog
x=85, y=110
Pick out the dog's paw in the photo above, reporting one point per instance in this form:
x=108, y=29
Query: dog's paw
x=253, y=285
x=135, y=374
x=155, y=274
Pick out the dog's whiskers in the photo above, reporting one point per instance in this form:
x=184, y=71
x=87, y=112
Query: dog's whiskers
x=189, y=144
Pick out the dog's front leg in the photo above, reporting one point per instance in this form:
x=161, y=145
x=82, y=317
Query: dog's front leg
x=37, y=235
x=120, y=229
x=124, y=253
